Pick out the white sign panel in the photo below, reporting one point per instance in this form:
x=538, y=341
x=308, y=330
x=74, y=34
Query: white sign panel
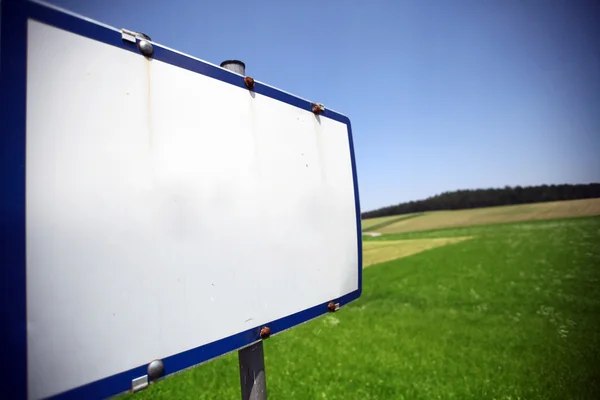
x=167, y=211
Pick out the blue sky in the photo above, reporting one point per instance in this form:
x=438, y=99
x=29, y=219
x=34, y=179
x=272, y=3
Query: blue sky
x=442, y=95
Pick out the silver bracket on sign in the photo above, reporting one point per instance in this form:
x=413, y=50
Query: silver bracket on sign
x=128, y=35
x=131, y=36
x=139, y=383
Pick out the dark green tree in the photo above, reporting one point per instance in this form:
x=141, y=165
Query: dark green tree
x=466, y=199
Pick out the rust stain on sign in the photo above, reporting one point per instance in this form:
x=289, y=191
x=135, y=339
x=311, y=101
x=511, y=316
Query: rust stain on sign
x=150, y=131
x=255, y=136
x=318, y=132
x=149, y=102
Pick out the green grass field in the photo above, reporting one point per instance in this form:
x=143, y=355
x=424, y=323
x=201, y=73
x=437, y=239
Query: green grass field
x=511, y=313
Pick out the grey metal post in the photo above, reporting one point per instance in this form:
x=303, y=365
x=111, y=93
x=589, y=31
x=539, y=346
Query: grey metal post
x=251, y=358
x=252, y=372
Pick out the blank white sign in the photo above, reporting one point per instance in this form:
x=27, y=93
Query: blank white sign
x=167, y=210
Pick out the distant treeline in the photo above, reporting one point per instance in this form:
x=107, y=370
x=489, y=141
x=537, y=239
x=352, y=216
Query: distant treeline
x=465, y=199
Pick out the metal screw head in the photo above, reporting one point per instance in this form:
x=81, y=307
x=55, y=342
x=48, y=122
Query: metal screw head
x=146, y=48
x=249, y=82
x=318, y=108
x=333, y=307
x=156, y=369
x=265, y=332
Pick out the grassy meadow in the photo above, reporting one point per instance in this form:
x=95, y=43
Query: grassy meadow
x=508, y=311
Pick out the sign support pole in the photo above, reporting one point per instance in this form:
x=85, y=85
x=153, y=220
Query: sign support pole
x=252, y=372
x=252, y=358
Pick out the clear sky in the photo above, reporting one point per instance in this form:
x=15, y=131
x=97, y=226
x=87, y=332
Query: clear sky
x=442, y=95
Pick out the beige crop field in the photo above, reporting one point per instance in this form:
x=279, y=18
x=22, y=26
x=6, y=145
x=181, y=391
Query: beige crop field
x=378, y=252
x=490, y=215
x=368, y=223
x=374, y=223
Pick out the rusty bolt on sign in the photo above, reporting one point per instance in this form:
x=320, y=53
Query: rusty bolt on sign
x=333, y=307
x=249, y=82
x=265, y=332
x=318, y=108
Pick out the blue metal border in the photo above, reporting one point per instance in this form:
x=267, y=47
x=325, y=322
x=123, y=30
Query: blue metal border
x=13, y=53
x=13, y=336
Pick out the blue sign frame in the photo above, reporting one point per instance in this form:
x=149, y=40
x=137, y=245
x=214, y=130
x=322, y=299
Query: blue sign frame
x=13, y=67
